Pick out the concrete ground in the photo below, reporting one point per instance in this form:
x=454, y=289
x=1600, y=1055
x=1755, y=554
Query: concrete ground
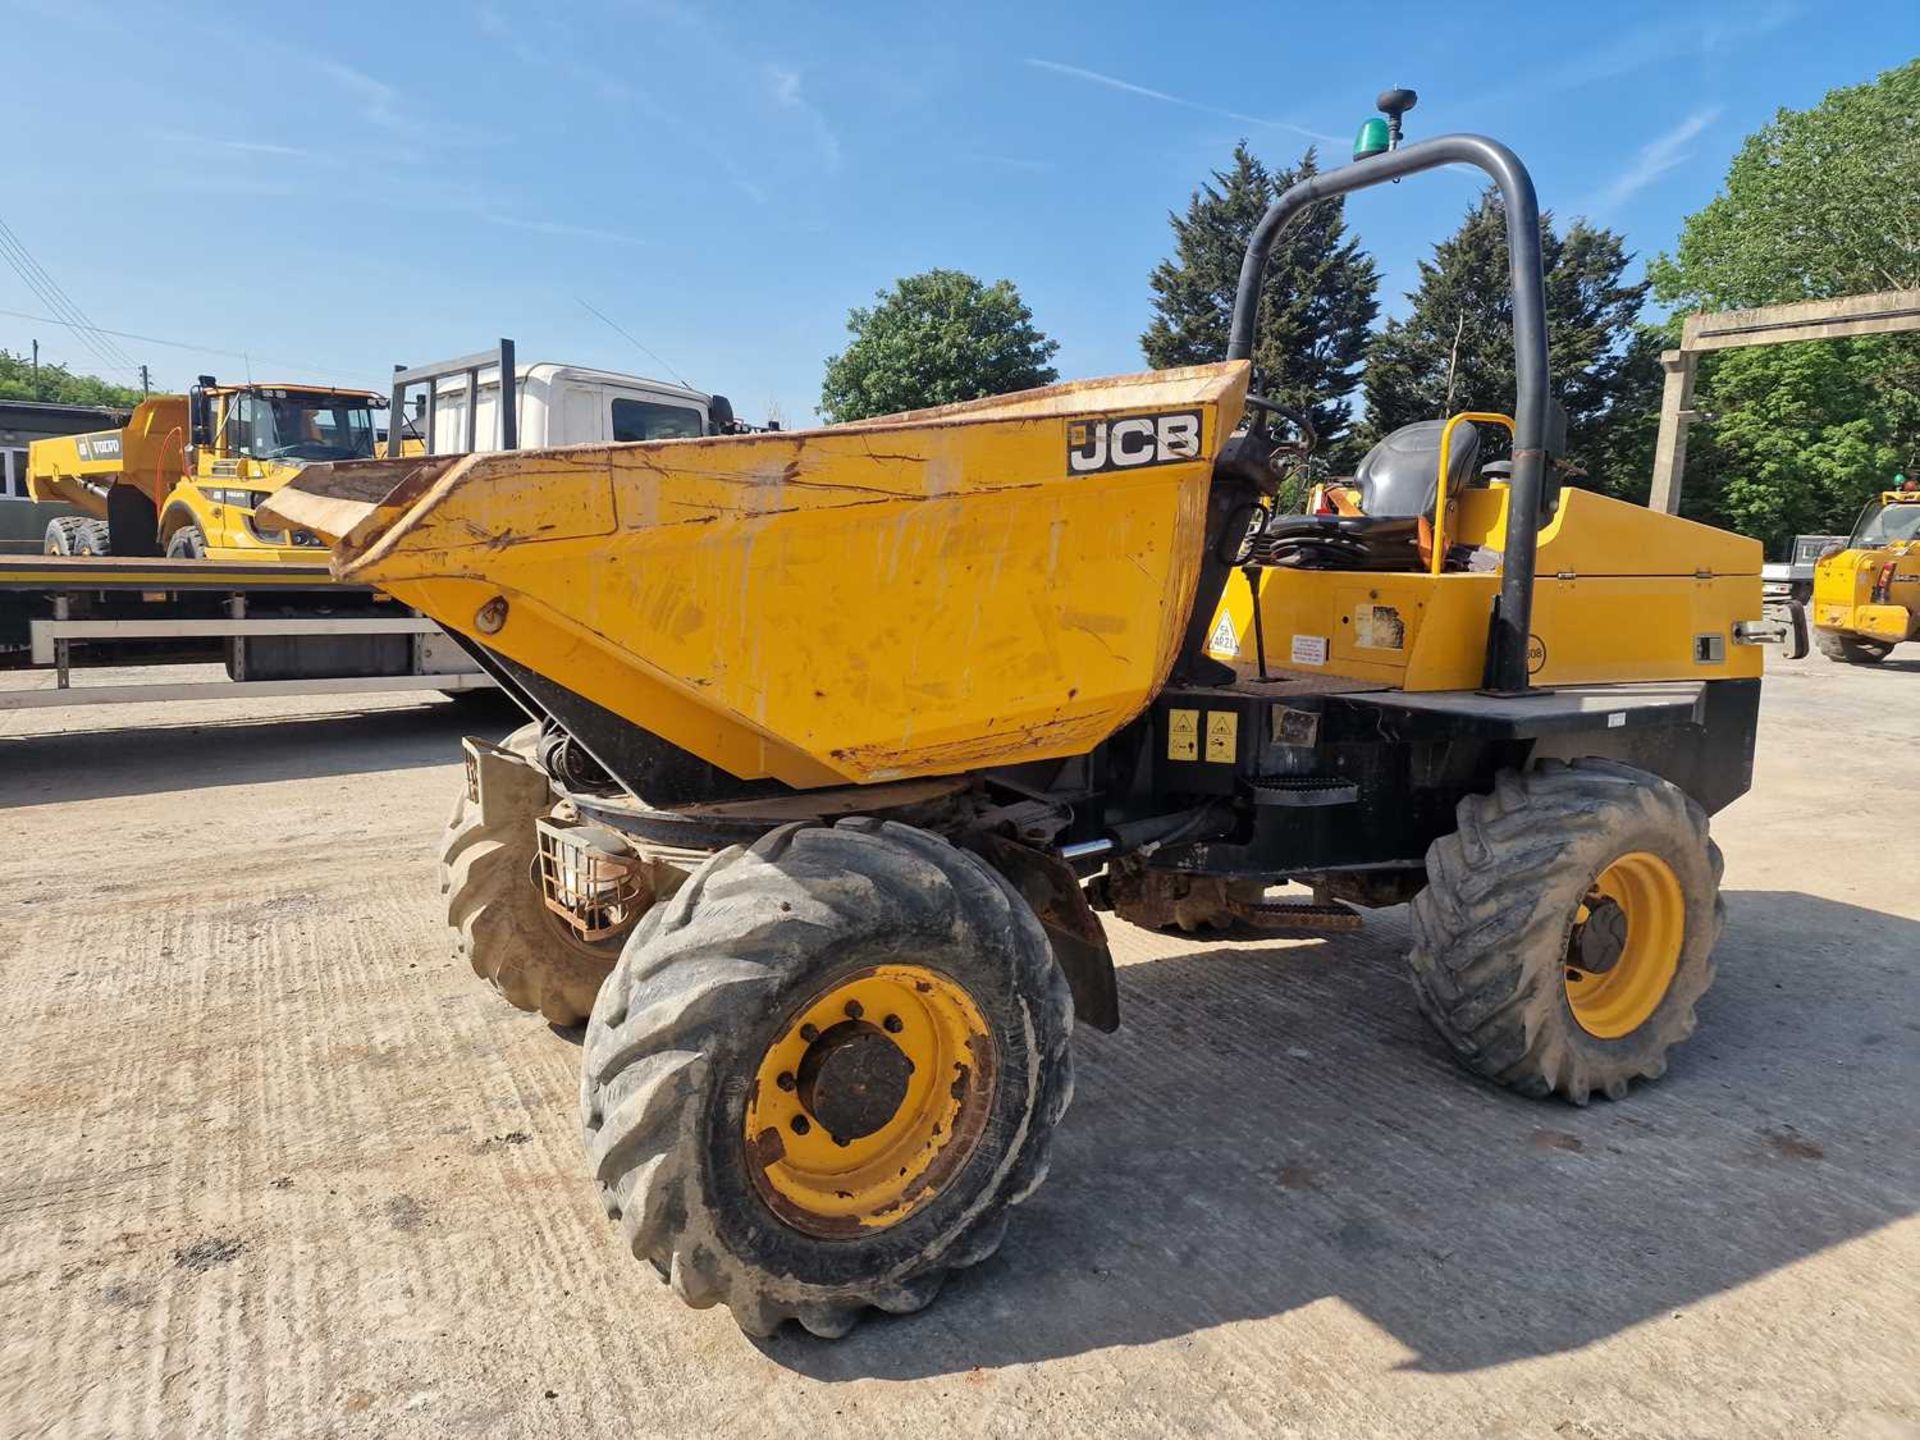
x=275, y=1166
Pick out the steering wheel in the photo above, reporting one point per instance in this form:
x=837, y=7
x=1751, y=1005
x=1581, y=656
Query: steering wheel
x=1301, y=448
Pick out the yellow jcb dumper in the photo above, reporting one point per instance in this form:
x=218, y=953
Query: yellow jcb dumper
x=1866, y=595
x=843, y=740
x=184, y=477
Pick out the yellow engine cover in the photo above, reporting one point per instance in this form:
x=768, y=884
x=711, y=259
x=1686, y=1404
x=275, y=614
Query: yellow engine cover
x=1621, y=594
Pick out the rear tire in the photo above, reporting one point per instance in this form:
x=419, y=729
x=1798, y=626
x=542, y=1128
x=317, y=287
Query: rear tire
x=1499, y=929
x=187, y=543
x=1849, y=651
x=63, y=535
x=500, y=925
x=711, y=986
x=94, y=538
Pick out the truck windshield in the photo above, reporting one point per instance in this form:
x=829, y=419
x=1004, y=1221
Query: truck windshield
x=1882, y=524
x=288, y=425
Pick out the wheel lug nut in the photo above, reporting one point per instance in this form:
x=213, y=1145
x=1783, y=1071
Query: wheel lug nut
x=855, y=1010
x=809, y=1033
x=786, y=1081
x=801, y=1125
x=892, y=1025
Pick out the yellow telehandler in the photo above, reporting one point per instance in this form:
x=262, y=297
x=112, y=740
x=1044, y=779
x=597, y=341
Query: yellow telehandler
x=1866, y=592
x=843, y=739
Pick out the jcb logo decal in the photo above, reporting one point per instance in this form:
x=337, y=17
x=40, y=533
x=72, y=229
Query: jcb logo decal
x=1133, y=442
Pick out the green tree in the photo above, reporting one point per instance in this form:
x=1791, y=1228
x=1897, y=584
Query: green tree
x=1454, y=349
x=1820, y=202
x=59, y=385
x=934, y=339
x=1817, y=203
x=1316, y=303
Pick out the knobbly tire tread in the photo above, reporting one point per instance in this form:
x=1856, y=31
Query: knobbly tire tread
x=704, y=980
x=1490, y=930
x=1849, y=651
x=499, y=924
x=63, y=535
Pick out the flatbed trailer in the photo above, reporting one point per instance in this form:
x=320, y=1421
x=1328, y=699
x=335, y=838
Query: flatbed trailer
x=280, y=628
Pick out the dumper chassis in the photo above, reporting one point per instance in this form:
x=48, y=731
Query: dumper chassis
x=835, y=949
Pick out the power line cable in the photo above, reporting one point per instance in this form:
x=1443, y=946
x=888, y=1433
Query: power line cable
x=244, y=356
x=635, y=343
x=63, y=303
x=67, y=305
x=96, y=346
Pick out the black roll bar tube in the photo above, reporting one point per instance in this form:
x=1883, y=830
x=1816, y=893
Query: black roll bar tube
x=1513, y=617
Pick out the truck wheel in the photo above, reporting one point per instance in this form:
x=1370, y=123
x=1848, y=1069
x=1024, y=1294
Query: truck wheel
x=1850, y=651
x=500, y=925
x=63, y=535
x=822, y=1074
x=1567, y=928
x=187, y=543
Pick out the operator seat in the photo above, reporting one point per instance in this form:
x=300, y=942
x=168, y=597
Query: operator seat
x=1398, y=483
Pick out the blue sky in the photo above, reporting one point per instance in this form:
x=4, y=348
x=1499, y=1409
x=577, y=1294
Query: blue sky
x=349, y=185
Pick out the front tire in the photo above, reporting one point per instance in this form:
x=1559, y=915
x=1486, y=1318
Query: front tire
x=187, y=543
x=749, y=1182
x=498, y=922
x=1849, y=651
x=1567, y=928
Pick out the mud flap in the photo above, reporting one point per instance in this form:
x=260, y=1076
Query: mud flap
x=501, y=784
x=1048, y=884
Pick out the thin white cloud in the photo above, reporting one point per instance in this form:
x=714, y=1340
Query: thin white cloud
x=783, y=84
x=1659, y=155
x=243, y=147
x=559, y=50
x=1678, y=33
x=1113, y=82
x=385, y=107
x=560, y=228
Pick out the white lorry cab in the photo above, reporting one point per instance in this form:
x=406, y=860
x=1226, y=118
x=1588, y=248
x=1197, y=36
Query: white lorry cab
x=453, y=406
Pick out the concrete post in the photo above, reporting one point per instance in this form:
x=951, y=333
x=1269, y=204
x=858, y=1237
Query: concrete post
x=1676, y=410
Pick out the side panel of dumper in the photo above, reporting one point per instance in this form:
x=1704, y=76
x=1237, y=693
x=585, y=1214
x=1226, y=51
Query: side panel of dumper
x=977, y=585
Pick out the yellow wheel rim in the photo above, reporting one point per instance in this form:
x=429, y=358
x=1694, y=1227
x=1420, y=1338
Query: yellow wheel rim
x=870, y=1100
x=1617, y=977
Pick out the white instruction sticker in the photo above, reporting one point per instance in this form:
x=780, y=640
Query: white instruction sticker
x=1309, y=649
x=1616, y=719
x=1224, y=641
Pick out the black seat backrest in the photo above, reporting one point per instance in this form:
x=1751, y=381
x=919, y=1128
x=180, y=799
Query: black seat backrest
x=1401, y=475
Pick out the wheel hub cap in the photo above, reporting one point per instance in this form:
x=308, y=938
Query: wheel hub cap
x=869, y=1101
x=1625, y=945
x=853, y=1080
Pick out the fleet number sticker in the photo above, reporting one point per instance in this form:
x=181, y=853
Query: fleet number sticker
x=1309, y=649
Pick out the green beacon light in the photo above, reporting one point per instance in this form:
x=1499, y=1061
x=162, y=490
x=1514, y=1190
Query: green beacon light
x=1378, y=136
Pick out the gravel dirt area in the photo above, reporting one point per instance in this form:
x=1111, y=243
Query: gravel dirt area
x=274, y=1166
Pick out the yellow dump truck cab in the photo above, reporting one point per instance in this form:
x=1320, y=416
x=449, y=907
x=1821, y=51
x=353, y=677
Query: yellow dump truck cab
x=1866, y=597
x=184, y=477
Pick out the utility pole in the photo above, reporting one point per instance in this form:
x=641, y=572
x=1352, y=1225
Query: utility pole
x=36, y=369
x=145, y=389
